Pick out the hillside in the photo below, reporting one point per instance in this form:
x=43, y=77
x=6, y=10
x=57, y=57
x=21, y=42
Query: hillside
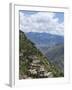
x=55, y=55
x=32, y=63
x=51, y=45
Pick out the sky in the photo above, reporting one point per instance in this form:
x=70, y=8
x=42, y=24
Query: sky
x=37, y=21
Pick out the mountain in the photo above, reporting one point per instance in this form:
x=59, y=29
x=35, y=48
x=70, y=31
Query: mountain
x=55, y=55
x=32, y=62
x=52, y=46
x=45, y=39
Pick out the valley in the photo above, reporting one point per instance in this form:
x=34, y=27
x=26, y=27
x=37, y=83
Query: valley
x=33, y=63
x=52, y=46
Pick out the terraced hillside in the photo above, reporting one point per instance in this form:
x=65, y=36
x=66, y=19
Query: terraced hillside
x=32, y=62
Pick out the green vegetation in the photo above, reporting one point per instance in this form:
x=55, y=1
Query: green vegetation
x=27, y=54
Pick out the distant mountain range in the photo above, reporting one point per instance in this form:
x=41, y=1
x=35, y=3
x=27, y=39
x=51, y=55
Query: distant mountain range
x=45, y=39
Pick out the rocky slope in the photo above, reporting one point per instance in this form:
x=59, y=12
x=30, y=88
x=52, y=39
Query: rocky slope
x=32, y=62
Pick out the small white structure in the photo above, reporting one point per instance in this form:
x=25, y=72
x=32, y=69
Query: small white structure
x=33, y=71
x=49, y=74
x=33, y=57
x=33, y=65
x=36, y=61
x=42, y=68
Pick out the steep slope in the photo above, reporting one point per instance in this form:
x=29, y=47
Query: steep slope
x=52, y=46
x=55, y=55
x=32, y=63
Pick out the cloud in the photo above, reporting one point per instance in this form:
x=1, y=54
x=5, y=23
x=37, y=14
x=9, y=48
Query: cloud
x=41, y=22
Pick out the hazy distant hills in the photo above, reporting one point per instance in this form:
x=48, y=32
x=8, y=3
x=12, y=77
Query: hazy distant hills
x=45, y=39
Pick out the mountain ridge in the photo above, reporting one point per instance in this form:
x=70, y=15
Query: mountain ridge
x=44, y=33
x=45, y=38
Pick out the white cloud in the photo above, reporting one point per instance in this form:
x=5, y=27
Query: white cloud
x=41, y=22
